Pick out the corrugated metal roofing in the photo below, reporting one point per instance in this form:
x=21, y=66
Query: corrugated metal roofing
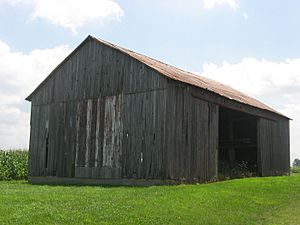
x=193, y=79
x=182, y=76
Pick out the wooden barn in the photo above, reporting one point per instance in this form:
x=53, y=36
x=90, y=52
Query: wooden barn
x=109, y=115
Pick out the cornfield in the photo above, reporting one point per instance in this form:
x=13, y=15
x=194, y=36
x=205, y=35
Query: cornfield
x=13, y=165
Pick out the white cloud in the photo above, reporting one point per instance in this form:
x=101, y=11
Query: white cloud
x=20, y=74
x=72, y=14
x=276, y=83
x=211, y=4
x=245, y=15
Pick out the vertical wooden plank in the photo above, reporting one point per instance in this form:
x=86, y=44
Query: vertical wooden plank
x=285, y=145
x=127, y=137
x=108, y=141
x=97, y=146
x=113, y=132
x=93, y=134
x=42, y=135
x=62, y=156
x=72, y=137
x=33, y=150
x=88, y=131
x=31, y=140
x=177, y=162
x=51, y=142
x=170, y=131
x=213, y=131
x=119, y=130
x=201, y=120
x=82, y=135
x=40, y=141
x=45, y=150
x=160, y=128
x=268, y=150
x=259, y=148
x=54, y=137
x=78, y=114
x=188, y=132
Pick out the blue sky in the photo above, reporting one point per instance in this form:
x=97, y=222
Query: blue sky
x=170, y=29
x=252, y=45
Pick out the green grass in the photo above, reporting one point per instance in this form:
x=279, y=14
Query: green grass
x=271, y=200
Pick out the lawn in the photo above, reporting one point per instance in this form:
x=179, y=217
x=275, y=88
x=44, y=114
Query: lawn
x=271, y=200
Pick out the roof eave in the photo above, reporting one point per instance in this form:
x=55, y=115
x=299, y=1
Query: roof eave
x=89, y=37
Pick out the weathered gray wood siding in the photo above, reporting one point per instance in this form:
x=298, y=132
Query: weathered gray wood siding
x=39, y=132
x=273, y=147
x=97, y=70
x=80, y=113
x=144, y=134
x=191, y=136
x=103, y=114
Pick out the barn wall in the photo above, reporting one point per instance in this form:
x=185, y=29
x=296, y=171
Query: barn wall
x=97, y=70
x=103, y=114
x=39, y=132
x=191, y=137
x=273, y=147
x=98, y=137
x=83, y=103
x=144, y=134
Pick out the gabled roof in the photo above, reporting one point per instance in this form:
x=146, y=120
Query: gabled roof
x=176, y=74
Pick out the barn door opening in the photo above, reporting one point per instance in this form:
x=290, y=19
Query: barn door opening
x=237, y=144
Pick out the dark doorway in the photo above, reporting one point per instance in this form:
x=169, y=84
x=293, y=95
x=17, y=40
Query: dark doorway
x=237, y=144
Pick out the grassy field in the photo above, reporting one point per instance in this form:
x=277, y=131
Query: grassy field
x=271, y=200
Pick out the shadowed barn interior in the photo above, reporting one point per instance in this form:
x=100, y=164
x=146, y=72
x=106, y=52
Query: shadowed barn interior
x=237, y=139
x=107, y=115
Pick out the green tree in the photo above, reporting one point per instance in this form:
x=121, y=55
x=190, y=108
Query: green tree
x=296, y=162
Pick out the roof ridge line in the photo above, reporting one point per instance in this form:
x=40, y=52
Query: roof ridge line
x=175, y=73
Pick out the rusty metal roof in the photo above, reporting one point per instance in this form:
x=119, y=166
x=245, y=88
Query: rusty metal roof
x=193, y=79
x=179, y=75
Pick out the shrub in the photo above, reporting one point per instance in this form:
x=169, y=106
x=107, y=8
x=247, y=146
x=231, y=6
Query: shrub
x=13, y=164
x=235, y=170
x=295, y=169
